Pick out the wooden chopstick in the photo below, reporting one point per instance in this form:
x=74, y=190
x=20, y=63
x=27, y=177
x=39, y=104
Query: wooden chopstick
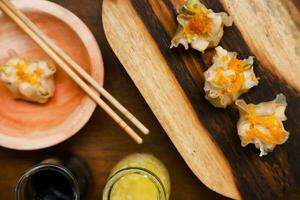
x=71, y=73
x=76, y=67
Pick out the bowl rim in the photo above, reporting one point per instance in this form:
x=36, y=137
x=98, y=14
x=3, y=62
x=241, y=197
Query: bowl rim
x=97, y=72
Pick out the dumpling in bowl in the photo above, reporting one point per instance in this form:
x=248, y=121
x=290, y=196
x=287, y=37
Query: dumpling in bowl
x=199, y=26
x=262, y=125
x=228, y=78
x=29, y=80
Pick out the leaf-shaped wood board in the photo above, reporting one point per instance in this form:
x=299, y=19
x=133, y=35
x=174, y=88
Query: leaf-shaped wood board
x=171, y=81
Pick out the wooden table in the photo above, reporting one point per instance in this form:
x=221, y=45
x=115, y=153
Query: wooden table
x=101, y=142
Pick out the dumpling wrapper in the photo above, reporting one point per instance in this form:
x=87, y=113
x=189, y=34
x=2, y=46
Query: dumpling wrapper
x=29, y=80
x=228, y=78
x=198, y=26
x=262, y=125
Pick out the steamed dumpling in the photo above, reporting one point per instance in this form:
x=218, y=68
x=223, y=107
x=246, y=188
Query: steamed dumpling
x=29, y=80
x=228, y=78
x=262, y=125
x=199, y=26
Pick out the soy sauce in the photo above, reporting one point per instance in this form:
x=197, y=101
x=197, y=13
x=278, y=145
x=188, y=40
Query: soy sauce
x=50, y=184
x=58, y=176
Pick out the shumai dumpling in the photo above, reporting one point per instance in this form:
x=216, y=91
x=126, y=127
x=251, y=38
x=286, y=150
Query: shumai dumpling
x=199, y=26
x=261, y=124
x=29, y=80
x=228, y=78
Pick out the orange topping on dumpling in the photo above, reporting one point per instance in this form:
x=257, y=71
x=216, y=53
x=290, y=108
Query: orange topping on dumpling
x=199, y=25
x=235, y=81
x=23, y=75
x=275, y=134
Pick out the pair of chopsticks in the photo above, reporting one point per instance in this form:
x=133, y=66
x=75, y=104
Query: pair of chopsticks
x=64, y=61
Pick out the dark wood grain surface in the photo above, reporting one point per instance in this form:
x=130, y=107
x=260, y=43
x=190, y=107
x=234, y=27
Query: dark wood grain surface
x=271, y=177
x=101, y=142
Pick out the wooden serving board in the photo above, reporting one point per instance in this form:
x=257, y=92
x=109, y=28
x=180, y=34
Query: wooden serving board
x=171, y=81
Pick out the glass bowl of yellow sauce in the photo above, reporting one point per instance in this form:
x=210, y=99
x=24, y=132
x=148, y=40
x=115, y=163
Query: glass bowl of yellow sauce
x=138, y=177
